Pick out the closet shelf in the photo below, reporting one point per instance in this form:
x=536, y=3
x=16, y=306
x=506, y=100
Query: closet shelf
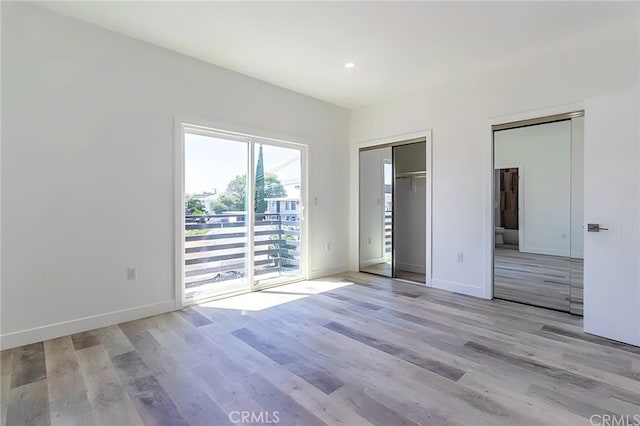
x=407, y=175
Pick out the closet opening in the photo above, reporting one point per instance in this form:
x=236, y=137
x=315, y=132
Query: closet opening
x=393, y=210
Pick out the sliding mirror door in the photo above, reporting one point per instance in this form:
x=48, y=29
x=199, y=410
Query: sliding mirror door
x=538, y=214
x=376, y=210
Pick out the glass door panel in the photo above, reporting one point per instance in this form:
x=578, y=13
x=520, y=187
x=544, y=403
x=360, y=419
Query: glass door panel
x=216, y=236
x=277, y=233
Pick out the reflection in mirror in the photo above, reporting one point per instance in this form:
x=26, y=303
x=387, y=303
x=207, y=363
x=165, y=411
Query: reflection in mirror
x=533, y=216
x=577, y=215
x=376, y=210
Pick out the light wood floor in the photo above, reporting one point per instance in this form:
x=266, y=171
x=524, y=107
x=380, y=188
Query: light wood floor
x=411, y=276
x=386, y=270
x=350, y=350
x=383, y=268
x=553, y=282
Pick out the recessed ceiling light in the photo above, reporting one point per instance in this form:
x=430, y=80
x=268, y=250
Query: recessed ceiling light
x=349, y=65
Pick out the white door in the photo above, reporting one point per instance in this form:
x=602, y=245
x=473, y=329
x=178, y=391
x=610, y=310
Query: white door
x=612, y=200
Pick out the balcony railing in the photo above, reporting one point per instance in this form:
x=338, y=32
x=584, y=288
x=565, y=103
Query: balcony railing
x=388, y=223
x=216, y=246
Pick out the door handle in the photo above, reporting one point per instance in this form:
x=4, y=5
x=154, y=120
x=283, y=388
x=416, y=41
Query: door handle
x=595, y=227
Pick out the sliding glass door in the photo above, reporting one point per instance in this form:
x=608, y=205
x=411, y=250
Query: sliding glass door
x=277, y=232
x=216, y=240
x=233, y=242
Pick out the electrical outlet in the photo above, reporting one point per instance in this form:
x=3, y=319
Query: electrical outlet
x=460, y=257
x=327, y=247
x=563, y=236
x=369, y=240
x=132, y=274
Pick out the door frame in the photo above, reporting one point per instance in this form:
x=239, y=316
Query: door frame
x=402, y=139
x=251, y=136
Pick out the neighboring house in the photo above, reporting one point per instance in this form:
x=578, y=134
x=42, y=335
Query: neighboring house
x=287, y=207
x=207, y=202
x=206, y=198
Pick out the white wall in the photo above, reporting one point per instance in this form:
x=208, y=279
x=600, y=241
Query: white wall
x=461, y=114
x=543, y=155
x=372, y=205
x=88, y=128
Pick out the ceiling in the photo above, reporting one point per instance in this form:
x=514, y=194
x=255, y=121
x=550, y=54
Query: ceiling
x=398, y=47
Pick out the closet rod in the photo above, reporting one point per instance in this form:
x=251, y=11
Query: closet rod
x=407, y=175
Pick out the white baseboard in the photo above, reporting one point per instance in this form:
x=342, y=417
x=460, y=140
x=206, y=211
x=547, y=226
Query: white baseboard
x=46, y=332
x=597, y=329
x=456, y=287
x=410, y=267
x=325, y=272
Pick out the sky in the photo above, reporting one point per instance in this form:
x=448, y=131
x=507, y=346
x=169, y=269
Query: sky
x=211, y=163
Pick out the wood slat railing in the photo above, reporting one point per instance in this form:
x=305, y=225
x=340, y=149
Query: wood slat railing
x=217, y=250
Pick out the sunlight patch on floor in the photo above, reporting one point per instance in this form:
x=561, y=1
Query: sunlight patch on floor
x=269, y=298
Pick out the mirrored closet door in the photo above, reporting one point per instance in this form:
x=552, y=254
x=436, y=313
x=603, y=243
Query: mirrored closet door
x=393, y=206
x=538, y=219
x=376, y=211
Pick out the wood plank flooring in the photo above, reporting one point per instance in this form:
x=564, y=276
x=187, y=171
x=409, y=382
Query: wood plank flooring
x=553, y=282
x=353, y=349
x=379, y=269
x=385, y=269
